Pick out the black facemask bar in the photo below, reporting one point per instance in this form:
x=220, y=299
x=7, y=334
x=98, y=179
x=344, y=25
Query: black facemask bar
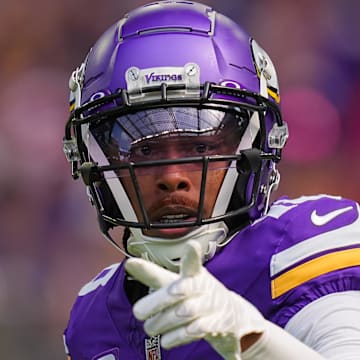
x=248, y=161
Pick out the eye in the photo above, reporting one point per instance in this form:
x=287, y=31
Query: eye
x=145, y=150
x=140, y=152
x=201, y=148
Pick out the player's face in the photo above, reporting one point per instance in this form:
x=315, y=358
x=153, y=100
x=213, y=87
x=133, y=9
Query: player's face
x=171, y=192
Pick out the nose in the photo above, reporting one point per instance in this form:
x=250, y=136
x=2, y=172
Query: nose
x=173, y=181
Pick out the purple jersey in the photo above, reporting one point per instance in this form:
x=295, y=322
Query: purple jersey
x=301, y=250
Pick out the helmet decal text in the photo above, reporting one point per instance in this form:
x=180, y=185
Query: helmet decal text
x=153, y=77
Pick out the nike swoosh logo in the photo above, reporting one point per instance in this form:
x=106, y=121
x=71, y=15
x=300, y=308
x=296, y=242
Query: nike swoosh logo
x=320, y=220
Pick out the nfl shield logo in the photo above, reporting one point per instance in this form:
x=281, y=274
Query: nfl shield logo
x=152, y=348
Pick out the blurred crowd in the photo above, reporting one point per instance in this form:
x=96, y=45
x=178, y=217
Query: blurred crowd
x=49, y=241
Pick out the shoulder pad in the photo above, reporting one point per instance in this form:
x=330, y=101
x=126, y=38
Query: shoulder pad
x=321, y=234
x=99, y=280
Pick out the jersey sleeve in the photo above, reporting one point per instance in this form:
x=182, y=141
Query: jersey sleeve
x=318, y=253
x=330, y=325
x=91, y=328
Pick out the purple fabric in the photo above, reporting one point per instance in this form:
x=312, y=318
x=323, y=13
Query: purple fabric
x=102, y=320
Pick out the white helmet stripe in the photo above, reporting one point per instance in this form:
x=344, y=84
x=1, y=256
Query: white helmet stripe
x=114, y=183
x=223, y=199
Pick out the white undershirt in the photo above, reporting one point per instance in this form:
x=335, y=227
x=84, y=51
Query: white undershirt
x=330, y=325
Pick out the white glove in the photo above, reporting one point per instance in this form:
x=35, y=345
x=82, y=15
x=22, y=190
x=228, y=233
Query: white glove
x=193, y=305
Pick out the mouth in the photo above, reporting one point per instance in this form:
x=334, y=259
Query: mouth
x=170, y=215
x=176, y=218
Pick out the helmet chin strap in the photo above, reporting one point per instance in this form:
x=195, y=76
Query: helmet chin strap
x=167, y=252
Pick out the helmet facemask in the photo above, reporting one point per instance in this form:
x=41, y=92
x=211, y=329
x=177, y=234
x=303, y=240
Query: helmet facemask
x=216, y=138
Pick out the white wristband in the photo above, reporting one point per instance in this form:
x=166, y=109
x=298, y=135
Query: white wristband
x=277, y=344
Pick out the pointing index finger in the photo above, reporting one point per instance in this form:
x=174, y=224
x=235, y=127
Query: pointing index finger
x=191, y=260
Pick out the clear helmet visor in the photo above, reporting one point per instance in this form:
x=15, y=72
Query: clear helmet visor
x=140, y=136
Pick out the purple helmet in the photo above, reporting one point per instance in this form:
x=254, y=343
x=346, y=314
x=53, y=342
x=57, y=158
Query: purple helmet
x=175, y=68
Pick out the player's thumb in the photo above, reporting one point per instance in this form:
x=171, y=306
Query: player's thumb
x=191, y=262
x=150, y=274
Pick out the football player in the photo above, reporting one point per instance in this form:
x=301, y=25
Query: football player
x=176, y=131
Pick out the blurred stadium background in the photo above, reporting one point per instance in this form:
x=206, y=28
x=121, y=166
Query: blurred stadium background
x=50, y=244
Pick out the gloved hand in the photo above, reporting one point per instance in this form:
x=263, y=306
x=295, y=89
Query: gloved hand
x=193, y=305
